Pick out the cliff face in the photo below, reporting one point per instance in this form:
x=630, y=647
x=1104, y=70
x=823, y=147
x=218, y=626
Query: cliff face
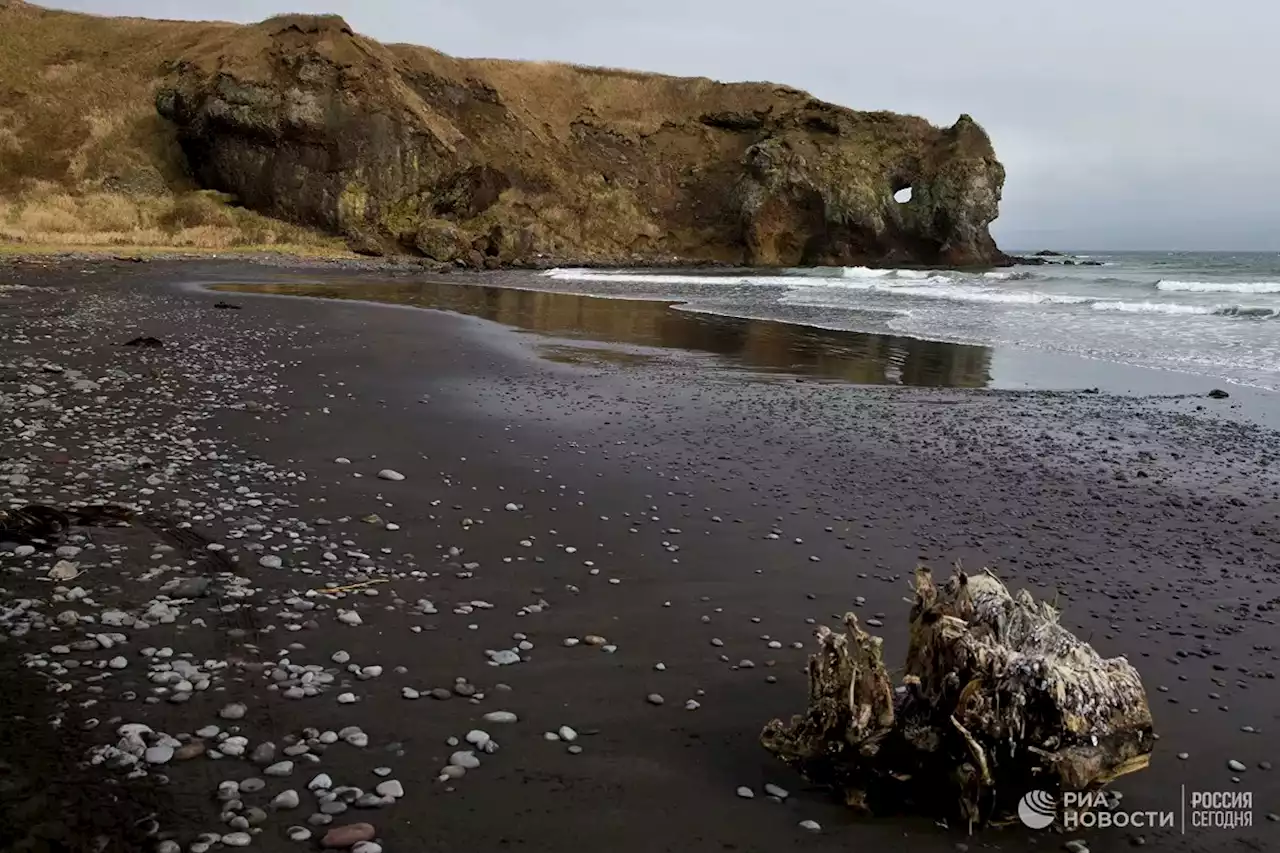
x=402, y=147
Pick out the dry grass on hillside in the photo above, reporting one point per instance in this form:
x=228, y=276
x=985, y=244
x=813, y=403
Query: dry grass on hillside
x=85, y=160
x=191, y=220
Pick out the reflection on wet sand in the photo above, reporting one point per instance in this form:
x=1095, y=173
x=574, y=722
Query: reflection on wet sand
x=757, y=345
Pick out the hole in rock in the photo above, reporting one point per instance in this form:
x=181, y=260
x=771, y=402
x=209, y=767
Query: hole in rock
x=903, y=195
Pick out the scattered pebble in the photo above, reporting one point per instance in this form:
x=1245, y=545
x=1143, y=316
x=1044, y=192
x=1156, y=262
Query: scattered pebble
x=234, y=711
x=390, y=788
x=341, y=837
x=286, y=800
x=500, y=717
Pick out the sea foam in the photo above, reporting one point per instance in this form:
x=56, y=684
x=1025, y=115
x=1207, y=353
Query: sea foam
x=1219, y=286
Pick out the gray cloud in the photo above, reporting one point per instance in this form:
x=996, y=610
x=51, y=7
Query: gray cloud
x=1122, y=124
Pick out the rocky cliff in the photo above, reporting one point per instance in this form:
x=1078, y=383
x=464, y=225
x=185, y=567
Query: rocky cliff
x=402, y=148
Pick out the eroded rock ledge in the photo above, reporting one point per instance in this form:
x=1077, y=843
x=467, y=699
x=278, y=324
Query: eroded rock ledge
x=486, y=162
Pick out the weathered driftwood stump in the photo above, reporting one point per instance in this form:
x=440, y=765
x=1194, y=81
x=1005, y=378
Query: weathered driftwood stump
x=997, y=699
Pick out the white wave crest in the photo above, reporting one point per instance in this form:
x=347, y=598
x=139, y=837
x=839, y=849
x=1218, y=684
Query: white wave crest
x=1153, y=308
x=1020, y=275
x=868, y=272
x=864, y=272
x=1219, y=286
x=571, y=274
x=944, y=289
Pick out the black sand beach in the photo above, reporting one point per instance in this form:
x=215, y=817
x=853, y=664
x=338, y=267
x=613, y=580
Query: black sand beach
x=689, y=512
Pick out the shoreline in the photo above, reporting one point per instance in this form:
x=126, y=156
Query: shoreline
x=993, y=368
x=1017, y=368
x=1156, y=532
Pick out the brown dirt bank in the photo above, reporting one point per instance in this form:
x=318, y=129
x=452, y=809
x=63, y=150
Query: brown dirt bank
x=1157, y=532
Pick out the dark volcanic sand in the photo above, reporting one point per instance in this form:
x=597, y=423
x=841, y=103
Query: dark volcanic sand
x=1156, y=530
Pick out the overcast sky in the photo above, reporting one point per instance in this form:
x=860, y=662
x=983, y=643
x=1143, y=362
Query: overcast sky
x=1121, y=123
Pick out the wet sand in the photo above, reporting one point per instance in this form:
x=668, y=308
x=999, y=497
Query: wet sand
x=695, y=499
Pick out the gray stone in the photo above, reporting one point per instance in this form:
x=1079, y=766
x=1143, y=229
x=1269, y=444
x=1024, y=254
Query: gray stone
x=233, y=711
x=390, y=788
x=192, y=588
x=503, y=657
x=465, y=759
x=286, y=800
x=500, y=717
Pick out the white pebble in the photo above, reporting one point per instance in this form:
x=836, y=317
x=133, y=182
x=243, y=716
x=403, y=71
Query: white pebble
x=500, y=717
x=286, y=800
x=465, y=759
x=390, y=788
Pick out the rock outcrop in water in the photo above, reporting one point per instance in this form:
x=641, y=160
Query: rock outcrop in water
x=402, y=148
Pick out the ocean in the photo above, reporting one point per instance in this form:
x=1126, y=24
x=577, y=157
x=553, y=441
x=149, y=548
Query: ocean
x=1208, y=314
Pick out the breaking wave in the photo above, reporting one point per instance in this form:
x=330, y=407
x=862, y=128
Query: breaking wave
x=1018, y=275
x=1254, y=312
x=573, y=274
x=1152, y=308
x=1219, y=286
x=816, y=291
